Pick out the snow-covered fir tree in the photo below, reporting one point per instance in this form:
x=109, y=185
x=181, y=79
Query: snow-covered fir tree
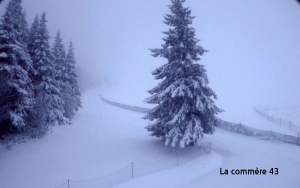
x=185, y=107
x=66, y=75
x=59, y=55
x=48, y=109
x=71, y=89
x=24, y=28
x=15, y=64
x=33, y=36
x=60, y=66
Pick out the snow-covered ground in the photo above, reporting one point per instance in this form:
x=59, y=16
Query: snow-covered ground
x=231, y=151
x=103, y=139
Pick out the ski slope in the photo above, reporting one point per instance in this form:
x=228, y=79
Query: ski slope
x=104, y=139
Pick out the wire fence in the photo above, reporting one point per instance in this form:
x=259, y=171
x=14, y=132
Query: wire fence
x=279, y=121
x=239, y=128
x=257, y=133
x=134, y=170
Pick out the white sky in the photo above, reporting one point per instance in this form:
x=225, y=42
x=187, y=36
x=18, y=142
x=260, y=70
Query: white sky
x=254, y=45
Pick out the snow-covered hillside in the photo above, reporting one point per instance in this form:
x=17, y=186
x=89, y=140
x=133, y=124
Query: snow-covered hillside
x=101, y=140
x=253, y=60
x=104, y=139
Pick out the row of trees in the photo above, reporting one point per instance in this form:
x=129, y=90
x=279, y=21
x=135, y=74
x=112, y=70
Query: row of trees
x=38, y=83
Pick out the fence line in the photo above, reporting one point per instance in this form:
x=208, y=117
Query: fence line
x=133, y=170
x=279, y=121
x=125, y=106
x=237, y=128
x=257, y=133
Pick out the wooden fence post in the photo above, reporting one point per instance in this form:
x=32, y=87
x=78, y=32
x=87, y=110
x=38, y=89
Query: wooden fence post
x=177, y=157
x=280, y=121
x=131, y=169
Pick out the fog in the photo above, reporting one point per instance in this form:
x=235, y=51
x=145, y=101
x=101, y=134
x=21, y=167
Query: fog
x=253, y=56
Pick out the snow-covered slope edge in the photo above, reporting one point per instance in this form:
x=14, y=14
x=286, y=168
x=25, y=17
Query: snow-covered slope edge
x=125, y=106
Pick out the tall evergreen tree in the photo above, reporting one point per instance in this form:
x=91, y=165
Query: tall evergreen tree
x=71, y=64
x=48, y=108
x=33, y=37
x=185, y=108
x=71, y=90
x=59, y=55
x=24, y=28
x=15, y=64
x=61, y=74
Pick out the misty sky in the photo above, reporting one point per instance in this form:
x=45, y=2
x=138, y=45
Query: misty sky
x=253, y=45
